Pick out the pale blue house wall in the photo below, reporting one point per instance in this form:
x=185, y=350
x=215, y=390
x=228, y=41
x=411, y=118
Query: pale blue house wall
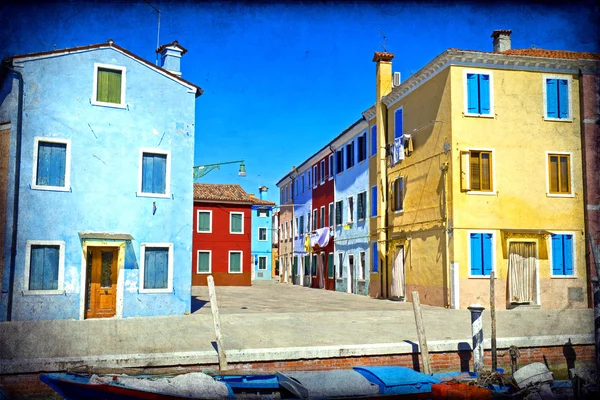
x=302, y=207
x=105, y=162
x=354, y=240
x=262, y=248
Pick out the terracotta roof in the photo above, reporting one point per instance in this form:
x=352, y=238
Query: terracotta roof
x=221, y=192
x=174, y=44
x=532, y=52
x=262, y=202
x=108, y=44
x=498, y=32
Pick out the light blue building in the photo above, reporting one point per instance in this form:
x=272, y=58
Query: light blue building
x=100, y=189
x=302, y=222
x=262, y=234
x=352, y=215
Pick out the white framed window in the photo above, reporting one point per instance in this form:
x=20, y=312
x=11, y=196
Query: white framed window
x=557, y=91
x=303, y=184
x=350, y=268
x=315, y=219
x=262, y=263
x=478, y=86
x=156, y=268
x=204, y=262
x=262, y=212
x=330, y=166
x=204, y=221
x=322, y=171
x=44, y=267
x=338, y=212
x=361, y=206
x=398, y=194
x=350, y=215
x=316, y=176
x=322, y=225
x=481, y=253
x=308, y=222
x=339, y=268
x=236, y=222
x=52, y=164
x=477, y=172
x=154, y=175
x=296, y=228
x=362, y=265
x=331, y=213
x=109, y=85
x=562, y=255
x=559, y=172
x=309, y=181
x=262, y=234
x=236, y=259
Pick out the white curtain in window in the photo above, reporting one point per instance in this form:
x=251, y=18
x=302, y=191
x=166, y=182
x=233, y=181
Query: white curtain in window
x=521, y=269
x=398, y=274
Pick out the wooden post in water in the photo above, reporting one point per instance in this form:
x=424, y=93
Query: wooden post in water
x=493, y=315
x=421, y=332
x=212, y=297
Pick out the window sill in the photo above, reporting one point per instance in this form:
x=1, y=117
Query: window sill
x=479, y=277
x=399, y=212
x=51, y=188
x=490, y=115
x=563, y=277
x=156, y=291
x=155, y=195
x=235, y=273
x=121, y=106
x=236, y=233
x=560, y=195
x=480, y=193
x=42, y=292
x=203, y=273
x=203, y=231
x=570, y=119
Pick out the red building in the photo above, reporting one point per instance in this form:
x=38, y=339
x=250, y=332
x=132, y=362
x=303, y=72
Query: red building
x=323, y=274
x=222, y=235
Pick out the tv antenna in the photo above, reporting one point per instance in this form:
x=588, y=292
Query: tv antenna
x=158, y=32
x=384, y=44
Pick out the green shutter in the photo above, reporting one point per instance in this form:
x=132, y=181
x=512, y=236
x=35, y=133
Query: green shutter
x=330, y=267
x=236, y=223
x=109, y=86
x=204, y=221
x=203, y=262
x=235, y=262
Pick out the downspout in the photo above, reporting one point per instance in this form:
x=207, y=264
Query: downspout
x=15, y=222
x=447, y=237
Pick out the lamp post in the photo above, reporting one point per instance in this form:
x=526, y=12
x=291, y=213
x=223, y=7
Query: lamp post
x=201, y=170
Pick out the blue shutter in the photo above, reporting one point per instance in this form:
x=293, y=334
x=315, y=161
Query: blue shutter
x=484, y=94
x=51, y=164
x=557, y=255
x=374, y=201
x=398, y=123
x=159, y=173
x=374, y=140
x=375, y=258
x=476, y=254
x=487, y=253
x=36, y=268
x=563, y=98
x=147, y=169
x=472, y=94
x=552, y=98
x=156, y=268
x=568, y=254
x=401, y=195
x=43, y=268
x=43, y=167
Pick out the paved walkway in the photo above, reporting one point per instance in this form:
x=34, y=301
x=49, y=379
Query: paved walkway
x=272, y=321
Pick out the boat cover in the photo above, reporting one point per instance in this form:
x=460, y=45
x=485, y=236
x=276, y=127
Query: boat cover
x=398, y=380
x=324, y=384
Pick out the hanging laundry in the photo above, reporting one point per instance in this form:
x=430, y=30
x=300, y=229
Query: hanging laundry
x=408, y=144
x=398, y=151
x=320, y=237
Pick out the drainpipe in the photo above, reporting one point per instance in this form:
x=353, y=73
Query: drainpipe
x=446, y=235
x=13, y=246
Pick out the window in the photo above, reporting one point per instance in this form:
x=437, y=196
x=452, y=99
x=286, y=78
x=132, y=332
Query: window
x=156, y=268
x=204, y=221
x=351, y=266
x=330, y=214
x=557, y=98
x=294, y=266
x=339, y=267
x=481, y=261
x=236, y=222
x=303, y=183
x=478, y=94
x=338, y=212
x=330, y=266
x=316, y=175
x=109, y=85
x=52, y=167
x=235, y=262
x=398, y=123
x=262, y=234
x=315, y=219
x=373, y=140
x=44, y=266
x=313, y=269
x=398, y=194
x=155, y=172
x=361, y=265
x=562, y=255
x=262, y=263
x=296, y=228
x=322, y=171
x=362, y=147
x=559, y=174
x=301, y=225
x=306, y=265
x=281, y=197
x=309, y=181
x=476, y=171
x=331, y=166
x=308, y=222
x=339, y=155
x=322, y=217
x=375, y=256
x=373, y=201
x=350, y=210
x=361, y=206
x=349, y=155
x=204, y=262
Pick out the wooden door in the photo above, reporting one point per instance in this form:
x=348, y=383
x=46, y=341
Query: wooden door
x=101, y=282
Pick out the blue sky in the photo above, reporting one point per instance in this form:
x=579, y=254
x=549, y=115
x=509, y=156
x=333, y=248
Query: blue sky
x=281, y=80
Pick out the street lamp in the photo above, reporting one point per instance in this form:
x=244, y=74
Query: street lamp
x=201, y=170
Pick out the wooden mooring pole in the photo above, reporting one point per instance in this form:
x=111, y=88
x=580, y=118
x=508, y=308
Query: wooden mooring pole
x=421, y=332
x=212, y=297
x=493, y=316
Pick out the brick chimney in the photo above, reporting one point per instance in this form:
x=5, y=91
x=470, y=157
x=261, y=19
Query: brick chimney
x=170, y=57
x=501, y=40
x=262, y=192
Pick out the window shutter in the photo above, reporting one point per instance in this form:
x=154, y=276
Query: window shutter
x=484, y=94
x=557, y=255
x=36, y=268
x=375, y=267
x=203, y=262
x=564, y=174
x=43, y=268
x=552, y=98
x=475, y=171
x=476, y=254
x=114, y=87
x=472, y=94
x=234, y=262
x=398, y=123
x=563, y=98
x=568, y=254
x=374, y=201
x=155, y=268
x=295, y=267
x=359, y=206
x=486, y=171
x=203, y=221
x=306, y=265
x=487, y=253
x=465, y=181
x=330, y=267
x=374, y=140
x=236, y=222
x=313, y=268
x=401, y=194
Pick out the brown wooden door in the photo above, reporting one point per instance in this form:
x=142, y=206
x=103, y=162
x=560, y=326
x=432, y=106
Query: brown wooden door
x=101, y=282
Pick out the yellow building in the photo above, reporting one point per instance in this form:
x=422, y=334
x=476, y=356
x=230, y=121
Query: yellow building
x=482, y=172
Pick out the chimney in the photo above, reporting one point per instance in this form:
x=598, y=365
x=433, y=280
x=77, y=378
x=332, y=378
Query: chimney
x=501, y=40
x=262, y=192
x=170, y=57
